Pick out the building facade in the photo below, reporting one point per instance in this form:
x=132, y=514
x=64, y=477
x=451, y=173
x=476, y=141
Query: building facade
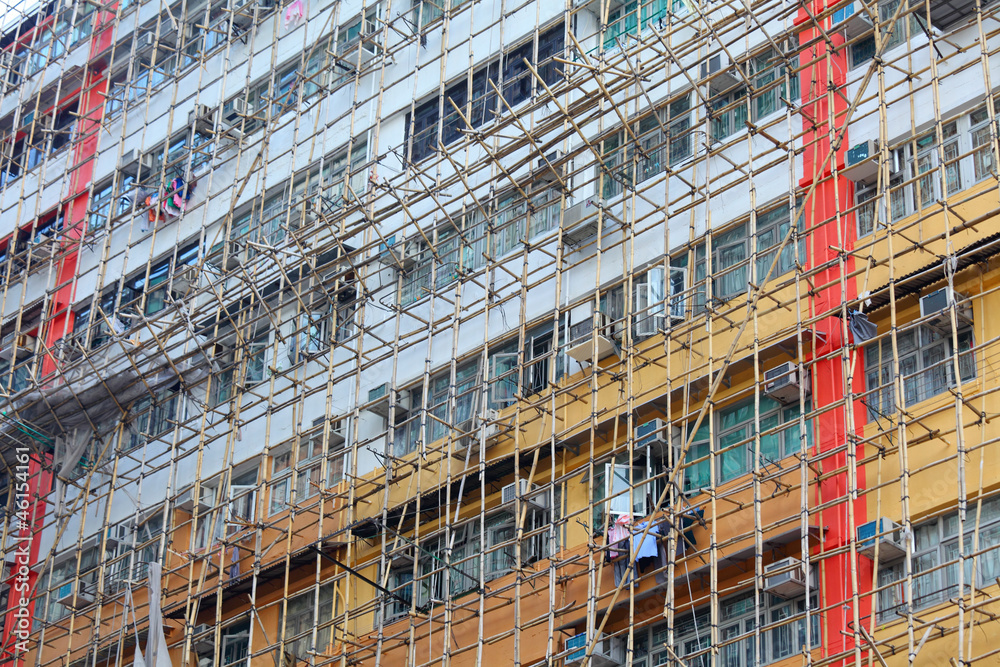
x=456, y=332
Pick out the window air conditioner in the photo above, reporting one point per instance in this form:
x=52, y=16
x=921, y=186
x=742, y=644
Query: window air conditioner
x=852, y=20
x=788, y=584
x=656, y=434
x=581, y=342
x=721, y=71
x=889, y=537
x=580, y=220
x=550, y=168
x=184, y=279
x=76, y=594
x=16, y=345
x=861, y=161
x=203, y=641
x=521, y=489
x=202, y=118
x=403, y=255
x=234, y=111
x=608, y=651
x=936, y=307
x=782, y=382
x=339, y=430
x=144, y=45
x=379, y=399
x=206, y=500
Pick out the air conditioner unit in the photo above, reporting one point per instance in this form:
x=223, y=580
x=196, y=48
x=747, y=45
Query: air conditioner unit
x=788, y=584
x=76, y=594
x=203, y=641
x=852, y=20
x=339, y=431
x=580, y=220
x=521, y=489
x=581, y=342
x=202, y=118
x=656, y=434
x=379, y=399
x=861, y=161
x=721, y=72
x=184, y=279
x=608, y=651
x=889, y=538
x=782, y=382
x=144, y=45
x=206, y=500
x=403, y=254
x=549, y=169
x=234, y=111
x=403, y=557
x=16, y=345
x=45, y=249
x=937, y=304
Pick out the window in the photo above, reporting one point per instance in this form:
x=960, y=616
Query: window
x=161, y=277
x=508, y=221
x=401, y=583
x=153, y=416
x=893, y=34
x=983, y=157
x=266, y=224
x=109, y=202
x=623, y=20
x=171, y=161
x=734, y=433
x=242, y=370
x=474, y=94
x=467, y=379
x=767, y=72
x=338, y=181
x=235, y=644
x=739, y=619
x=871, y=205
x=439, y=581
x=301, y=618
x=66, y=570
x=434, y=9
x=935, y=543
x=307, y=469
x=731, y=251
x=925, y=364
x=507, y=383
x=664, y=138
x=927, y=188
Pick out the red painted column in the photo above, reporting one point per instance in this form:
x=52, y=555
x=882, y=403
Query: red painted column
x=826, y=67
x=31, y=485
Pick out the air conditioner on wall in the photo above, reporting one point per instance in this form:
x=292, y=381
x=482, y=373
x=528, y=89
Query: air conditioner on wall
x=608, y=651
x=402, y=255
x=550, y=168
x=76, y=594
x=890, y=540
x=657, y=434
x=788, y=584
x=937, y=304
x=852, y=19
x=861, y=161
x=722, y=72
x=379, y=399
x=234, y=111
x=521, y=489
x=582, y=332
x=782, y=382
x=580, y=220
x=16, y=345
x=185, y=279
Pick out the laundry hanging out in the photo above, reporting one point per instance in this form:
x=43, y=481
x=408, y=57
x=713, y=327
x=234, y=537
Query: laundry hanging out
x=169, y=204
